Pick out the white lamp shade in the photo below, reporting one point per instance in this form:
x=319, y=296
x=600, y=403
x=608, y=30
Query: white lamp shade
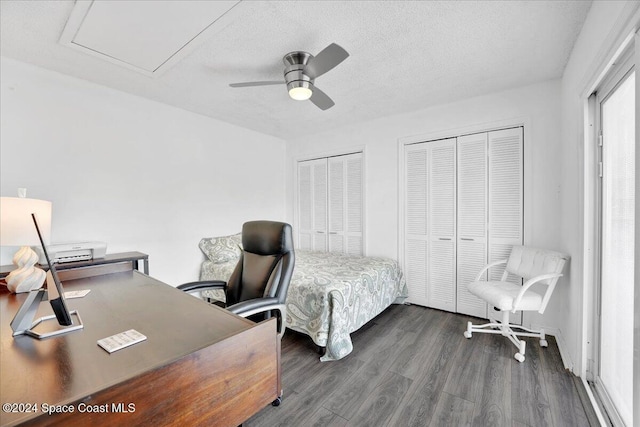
x=16, y=225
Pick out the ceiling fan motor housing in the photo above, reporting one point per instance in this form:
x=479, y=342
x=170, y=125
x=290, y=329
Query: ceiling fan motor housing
x=294, y=75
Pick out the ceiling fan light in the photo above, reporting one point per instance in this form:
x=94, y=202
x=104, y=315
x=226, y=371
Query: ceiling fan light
x=300, y=93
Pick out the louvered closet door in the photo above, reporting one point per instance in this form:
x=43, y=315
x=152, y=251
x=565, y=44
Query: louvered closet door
x=505, y=198
x=305, y=206
x=337, y=208
x=312, y=204
x=354, y=202
x=442, y=224
x=345, y=204
x=330, y=200
x=472, y=220
x=416, y=238
x=319, y=173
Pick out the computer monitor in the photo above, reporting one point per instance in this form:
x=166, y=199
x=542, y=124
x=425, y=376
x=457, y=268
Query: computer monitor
x=23, y=323
x=55, y=295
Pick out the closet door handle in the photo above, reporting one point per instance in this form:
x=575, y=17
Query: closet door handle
x=333, y=232
x=444, y=238
x=468, y=239
x=320, y=232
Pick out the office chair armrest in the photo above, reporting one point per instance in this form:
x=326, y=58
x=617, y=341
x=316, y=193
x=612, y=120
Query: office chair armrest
x=254, y=306
x=493, y=264
x=260, y=305
x=202, y=285
x=528, y=284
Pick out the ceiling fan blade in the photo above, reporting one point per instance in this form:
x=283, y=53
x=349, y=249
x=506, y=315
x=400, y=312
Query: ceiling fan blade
x=321, y=99
x=265, y=83
x=324, y=61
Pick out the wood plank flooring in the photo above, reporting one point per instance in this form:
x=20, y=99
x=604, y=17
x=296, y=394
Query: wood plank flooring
x=411, y=366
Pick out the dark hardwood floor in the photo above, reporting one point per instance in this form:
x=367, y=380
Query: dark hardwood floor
x=411, y=366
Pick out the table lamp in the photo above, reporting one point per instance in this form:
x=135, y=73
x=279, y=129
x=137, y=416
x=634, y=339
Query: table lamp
x=17, y=229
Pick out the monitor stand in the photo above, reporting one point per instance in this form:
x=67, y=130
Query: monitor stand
x=23, y=323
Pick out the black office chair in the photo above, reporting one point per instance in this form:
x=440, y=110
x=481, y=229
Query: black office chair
x=258, y=286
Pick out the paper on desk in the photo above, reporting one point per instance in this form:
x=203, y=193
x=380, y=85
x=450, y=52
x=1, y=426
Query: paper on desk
x=76, y=294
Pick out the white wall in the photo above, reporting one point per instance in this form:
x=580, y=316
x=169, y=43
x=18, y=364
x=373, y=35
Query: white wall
x=538, y=106
x=137, y=174
x=607, y=24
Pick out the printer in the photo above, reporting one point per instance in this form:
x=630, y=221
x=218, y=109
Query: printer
x=69, y=252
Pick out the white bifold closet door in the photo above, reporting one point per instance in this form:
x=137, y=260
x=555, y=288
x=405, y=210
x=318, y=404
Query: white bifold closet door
x=330, y=200
x=312, y=205
x=345, y=204
x=431, y=225
x=416, y=237
x=505, y=200
x=463, y=209
x=472, y=220
x=305, y=206
x=490, y=200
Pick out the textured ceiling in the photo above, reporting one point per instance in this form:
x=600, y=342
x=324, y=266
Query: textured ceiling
x=405, y=55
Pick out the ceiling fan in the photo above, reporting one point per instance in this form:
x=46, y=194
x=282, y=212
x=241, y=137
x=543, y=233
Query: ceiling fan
x=301, y=70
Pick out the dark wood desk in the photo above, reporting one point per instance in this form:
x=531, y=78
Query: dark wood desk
x=200, y=364
x=111, y=263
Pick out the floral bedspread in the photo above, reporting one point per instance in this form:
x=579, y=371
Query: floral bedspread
x=332, y=295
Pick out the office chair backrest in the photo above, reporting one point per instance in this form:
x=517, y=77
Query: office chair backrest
x=528, y=262
x=266, y=263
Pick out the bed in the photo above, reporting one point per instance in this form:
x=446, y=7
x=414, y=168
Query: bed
x=330, y=296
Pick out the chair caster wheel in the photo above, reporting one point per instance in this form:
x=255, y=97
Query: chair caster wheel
x=544, y=343
x=519, y=357
x=467, y=334
x=277, y=402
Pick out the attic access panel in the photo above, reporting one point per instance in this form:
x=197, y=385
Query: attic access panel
x=147, y=36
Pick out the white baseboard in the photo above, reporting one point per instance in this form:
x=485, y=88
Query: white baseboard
x=562, y=345
x=568, y=364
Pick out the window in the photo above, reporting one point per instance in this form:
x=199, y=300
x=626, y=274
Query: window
x=615, y=103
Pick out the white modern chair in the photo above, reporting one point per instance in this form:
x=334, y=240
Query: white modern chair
x=534, y=266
